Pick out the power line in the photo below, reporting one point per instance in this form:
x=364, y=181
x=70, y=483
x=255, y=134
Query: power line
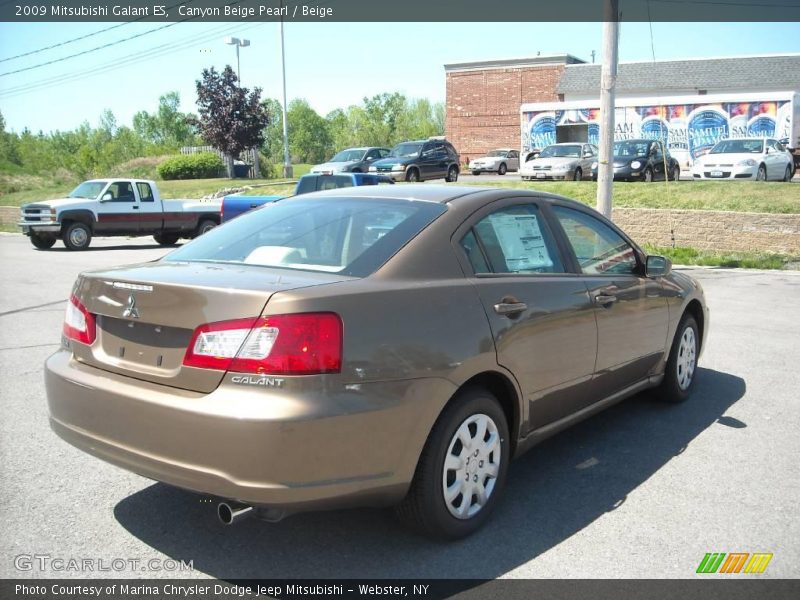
x=108, y=45
x=79, y=38
x=107, y=67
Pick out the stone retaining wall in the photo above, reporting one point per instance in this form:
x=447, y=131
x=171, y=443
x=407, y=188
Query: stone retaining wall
x=712, y=230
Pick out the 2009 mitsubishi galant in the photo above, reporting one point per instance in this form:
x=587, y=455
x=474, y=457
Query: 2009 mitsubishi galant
x=370, y=346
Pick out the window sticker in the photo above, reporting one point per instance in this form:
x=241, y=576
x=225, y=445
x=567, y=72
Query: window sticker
x=521, y=241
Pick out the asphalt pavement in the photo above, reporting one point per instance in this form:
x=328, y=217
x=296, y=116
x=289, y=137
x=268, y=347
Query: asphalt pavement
x=642, y=490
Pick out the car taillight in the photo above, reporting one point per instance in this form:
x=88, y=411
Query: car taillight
x=299, y=344
x=79, y=324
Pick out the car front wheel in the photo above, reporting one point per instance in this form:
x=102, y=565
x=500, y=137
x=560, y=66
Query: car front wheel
x=761, y=175
x=412, y=175
x=462, y=470
x=679, y=376
x=648, y=175
x=77, y=236
x=502, y=169
x=452, y=174
x=42, y=242
x=788, y=175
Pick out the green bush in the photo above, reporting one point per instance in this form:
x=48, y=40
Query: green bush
x=191, y=166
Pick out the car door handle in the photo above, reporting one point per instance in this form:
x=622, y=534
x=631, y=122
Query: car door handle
x=604, y=299
x=510, y=308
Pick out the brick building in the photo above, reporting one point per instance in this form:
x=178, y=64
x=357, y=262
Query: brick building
x=484, y=98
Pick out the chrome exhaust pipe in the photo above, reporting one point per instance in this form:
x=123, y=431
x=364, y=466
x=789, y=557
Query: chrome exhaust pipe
x=233, y=512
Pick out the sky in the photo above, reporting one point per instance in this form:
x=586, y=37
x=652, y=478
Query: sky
x=331, y=65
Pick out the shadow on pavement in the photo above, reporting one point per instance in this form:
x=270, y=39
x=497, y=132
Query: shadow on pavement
x=554, y=491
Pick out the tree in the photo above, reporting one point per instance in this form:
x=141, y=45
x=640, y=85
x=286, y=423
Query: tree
x=9, y=144
x=168, y=126
x=309, y=138
x=232, y=117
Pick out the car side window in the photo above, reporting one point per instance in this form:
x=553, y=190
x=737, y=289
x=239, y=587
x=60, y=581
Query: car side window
x=439, y=151
x=372, y=154
x=122, y=191
x=513, y=154
x=599, y=249
x=512, y=240
x=384, y=152
x=427, y=151
x=145, y=193
x=587, y=150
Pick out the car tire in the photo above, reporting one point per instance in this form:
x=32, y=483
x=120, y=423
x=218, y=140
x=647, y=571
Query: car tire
x=412, y=175
x=476, y=173
x=166, y=239
x=578, y=175
x=675, y=173
x=647, y=176
x=680, y=373
x=77, y=236
x=204, y=226
x=788, y=175
x=502, y=169
x=761, y=174
x=426, y=507
x=42, y=242
x=452, y=174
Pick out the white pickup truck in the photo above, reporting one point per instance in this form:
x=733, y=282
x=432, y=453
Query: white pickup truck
x=116, y=207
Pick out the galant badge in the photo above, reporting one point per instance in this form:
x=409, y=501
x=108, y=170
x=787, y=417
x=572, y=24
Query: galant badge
x=131, y=310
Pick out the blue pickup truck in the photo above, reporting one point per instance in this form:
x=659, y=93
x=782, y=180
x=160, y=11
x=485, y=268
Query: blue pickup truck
x=233, y=206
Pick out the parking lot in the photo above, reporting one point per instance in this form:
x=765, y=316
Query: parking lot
x=642, y=490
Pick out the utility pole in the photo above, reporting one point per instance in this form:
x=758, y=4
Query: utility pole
x=287, y=164
x=608, y=81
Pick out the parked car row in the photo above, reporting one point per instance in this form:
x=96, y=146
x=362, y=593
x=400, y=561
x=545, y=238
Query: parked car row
x=412, y=161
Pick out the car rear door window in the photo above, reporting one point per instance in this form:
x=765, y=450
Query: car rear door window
x=514, y=239
x=145, y=193
x=598, y=248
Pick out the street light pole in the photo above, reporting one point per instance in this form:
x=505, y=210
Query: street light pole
x=234, y=41
x=287, y=165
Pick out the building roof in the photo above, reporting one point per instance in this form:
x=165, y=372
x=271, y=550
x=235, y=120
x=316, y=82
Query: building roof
x=514, y=63
x=776, y=72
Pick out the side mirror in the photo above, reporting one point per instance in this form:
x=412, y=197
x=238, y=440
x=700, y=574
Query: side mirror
x=106, y=197
x=657, y=266
x=587, y=155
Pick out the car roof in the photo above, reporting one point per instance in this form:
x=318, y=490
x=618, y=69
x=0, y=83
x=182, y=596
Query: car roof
x=439, y=193
x=425, y=192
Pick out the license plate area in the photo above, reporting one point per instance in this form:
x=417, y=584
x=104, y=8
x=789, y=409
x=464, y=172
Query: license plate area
x=716, y=173
x=541, y=175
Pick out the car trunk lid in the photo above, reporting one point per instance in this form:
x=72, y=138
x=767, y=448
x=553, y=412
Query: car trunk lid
x=146, y=314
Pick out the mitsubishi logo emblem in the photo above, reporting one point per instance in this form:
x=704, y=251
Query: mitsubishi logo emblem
x=130, y=310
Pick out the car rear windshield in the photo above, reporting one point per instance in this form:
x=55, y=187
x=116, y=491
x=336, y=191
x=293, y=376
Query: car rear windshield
x=738, y=147
x=349, y=236
x=561, y=152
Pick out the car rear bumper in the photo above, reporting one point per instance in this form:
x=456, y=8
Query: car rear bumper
x=725, y=172
x=260, y=446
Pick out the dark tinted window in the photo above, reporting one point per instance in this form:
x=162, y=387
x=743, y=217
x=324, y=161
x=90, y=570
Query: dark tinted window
x=306, y=185
x=516, y=240
x=334, y=234
x=598, y=248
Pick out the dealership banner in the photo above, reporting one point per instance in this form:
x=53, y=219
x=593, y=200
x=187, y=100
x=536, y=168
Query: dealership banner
x=688, y=130
x=443, y=11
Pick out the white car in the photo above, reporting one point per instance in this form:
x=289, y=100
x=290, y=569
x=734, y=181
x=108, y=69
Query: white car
x=758, y=159
x=352, y=160
x=561, y=161
x=498, y=161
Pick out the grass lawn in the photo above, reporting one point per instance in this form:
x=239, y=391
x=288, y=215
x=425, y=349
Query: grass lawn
x=746, y=260
x=770, y=197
